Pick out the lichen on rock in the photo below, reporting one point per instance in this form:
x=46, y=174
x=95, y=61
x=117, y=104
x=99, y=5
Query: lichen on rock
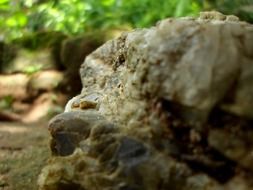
x=155, y=107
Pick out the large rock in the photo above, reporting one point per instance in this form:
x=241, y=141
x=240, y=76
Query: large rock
x=73, y=52
x=44, y=81
x=14, y=85
x=27, y=61
x=155, y=107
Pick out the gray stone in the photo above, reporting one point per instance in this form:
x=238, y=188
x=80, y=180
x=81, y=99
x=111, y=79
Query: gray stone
x=68, y=129
x=194, y=68
x=157, y=110
x=80, y=47
x=44, y=81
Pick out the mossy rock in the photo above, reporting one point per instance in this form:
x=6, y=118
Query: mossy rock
x=43, y=40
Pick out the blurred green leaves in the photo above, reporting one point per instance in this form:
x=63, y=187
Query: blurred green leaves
x=187, y=7
x=18, y=20
x=4, y=1
x=4, y=5
x=18, y=17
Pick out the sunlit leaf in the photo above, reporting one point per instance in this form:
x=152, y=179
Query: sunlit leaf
x=28, y=3
x=4, y=5
x=11, y=22
x=4, y=1
x=108, y=2
x=181, y=7
x=22, y=19
x=17, y=19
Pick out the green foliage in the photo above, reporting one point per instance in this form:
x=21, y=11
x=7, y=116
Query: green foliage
x=12, y=19
x=140, y=13
x=31, y=69
x=76, y=16
x=20, y=17
x=40, y=40
x=6, y=102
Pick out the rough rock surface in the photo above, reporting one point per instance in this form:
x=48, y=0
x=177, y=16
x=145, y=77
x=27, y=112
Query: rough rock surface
x=168, y=107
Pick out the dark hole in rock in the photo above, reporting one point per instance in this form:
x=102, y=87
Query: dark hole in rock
x=69, y=186
x=186, y=114
x=169, y=146
x=131, y=151
x=80, y=166
x=219, y=168
x=111, y=166
x=207, y=160
x=128, y=187
x=63, y=144
x=213, y=163
x=219, y=118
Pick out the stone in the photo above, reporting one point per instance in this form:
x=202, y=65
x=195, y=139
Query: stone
x=80, y=46
x=89, y=101
x=51, y=80
x=27, y=61
x=191, y=82
x=68, y=129
x=14, y=85
x=167, y=107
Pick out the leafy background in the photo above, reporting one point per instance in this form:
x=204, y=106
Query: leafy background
x=20, y=17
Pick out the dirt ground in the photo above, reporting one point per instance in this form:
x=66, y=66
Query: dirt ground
x=23, y=152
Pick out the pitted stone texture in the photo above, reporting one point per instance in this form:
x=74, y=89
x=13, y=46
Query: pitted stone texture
x=196, y=63
x=164, y=98
x=68, y=129
x=137, y=168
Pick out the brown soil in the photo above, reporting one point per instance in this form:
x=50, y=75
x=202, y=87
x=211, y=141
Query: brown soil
x=23, y=152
